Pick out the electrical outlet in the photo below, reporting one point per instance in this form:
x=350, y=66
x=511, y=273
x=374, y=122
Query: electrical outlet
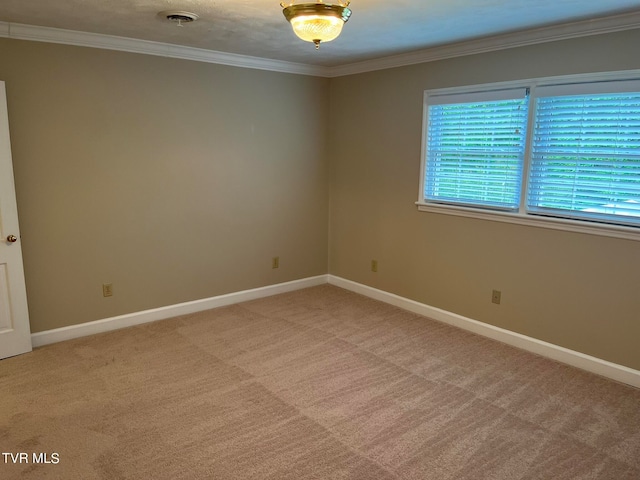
x=275, y=262
x=107, y=290
x=374, y=265
x=495, y=296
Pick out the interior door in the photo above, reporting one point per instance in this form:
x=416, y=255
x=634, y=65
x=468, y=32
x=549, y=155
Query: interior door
x=15, y=334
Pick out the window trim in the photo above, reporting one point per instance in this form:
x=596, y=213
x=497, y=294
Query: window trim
x=522, y=217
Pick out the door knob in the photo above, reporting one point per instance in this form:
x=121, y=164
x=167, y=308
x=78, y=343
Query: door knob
x=12, y=239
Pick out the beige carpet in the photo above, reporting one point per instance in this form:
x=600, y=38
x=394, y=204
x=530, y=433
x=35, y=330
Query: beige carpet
x=315, y=384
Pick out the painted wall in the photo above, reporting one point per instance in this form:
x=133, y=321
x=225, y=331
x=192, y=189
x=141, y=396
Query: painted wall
x=575, y=290
x=173, y=180
x=177, y=180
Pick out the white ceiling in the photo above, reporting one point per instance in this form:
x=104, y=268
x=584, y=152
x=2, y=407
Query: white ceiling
x=377, y=28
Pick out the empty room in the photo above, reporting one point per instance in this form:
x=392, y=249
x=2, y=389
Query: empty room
x=329, y=240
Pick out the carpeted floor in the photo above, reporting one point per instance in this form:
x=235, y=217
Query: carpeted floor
x=315, y=384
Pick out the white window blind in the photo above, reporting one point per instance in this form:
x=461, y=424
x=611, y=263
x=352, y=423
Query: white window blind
x=475, y=148
x=585, y=160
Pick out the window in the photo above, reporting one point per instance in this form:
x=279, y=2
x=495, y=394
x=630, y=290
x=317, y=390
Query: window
x=476, y=149
x=560, y=153
x=586, y=156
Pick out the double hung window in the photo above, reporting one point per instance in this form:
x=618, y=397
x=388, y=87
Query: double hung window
x=557, y=152
x=475, y=148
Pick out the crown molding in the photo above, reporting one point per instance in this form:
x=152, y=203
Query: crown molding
x=610, y=24
x=109, y=42
x=583, y=28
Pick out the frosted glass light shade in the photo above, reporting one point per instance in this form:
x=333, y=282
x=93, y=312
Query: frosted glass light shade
x=317, y=27
x=317, y=22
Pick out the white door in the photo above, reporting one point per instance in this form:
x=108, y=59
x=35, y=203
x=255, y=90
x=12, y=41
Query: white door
x=15, y=334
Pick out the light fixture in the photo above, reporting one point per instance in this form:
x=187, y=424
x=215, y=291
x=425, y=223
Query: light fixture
x=317, y=22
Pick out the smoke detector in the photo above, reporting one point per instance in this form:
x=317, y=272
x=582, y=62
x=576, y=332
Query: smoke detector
x=179, y=16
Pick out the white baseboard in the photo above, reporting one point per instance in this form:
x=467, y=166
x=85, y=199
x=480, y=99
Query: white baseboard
x=595, y=365
x=129, y=320
x=591, y=364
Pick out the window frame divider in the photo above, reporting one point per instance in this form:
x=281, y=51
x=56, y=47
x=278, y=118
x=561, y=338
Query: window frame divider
x=528, y=147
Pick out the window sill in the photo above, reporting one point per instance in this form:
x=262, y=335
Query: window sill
x=616, y=231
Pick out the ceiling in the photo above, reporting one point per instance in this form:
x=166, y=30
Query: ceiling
x=257, y=28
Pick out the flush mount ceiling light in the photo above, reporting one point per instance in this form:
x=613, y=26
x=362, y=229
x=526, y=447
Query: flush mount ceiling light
x=317, y=22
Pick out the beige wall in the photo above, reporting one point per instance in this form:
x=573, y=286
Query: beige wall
x=575, y=290
x=173, y=180
x=178, y=180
